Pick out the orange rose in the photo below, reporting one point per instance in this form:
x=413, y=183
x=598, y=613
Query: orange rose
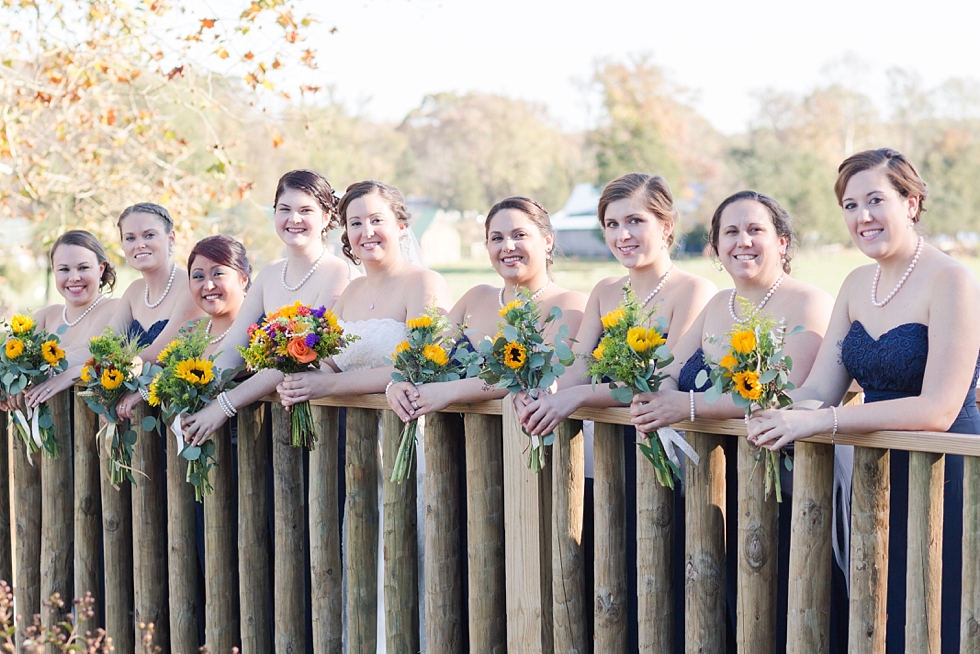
x=298, y=349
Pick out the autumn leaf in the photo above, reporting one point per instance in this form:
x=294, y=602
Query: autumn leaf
x=277, y=139
x=307, y=58
x=207, y=23
x=179, y=70
x=222, y=52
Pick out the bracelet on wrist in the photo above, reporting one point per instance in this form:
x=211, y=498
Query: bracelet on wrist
x=833, y=410
x=388, y=387
x=692, y=404
x=226, y=406
x=145, y=394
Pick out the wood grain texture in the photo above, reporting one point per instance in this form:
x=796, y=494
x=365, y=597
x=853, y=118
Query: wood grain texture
x=117, y=542
x=655, y=558
x=182, y=558
x=6, y=477
x=254, y=555
x=870, y=502
x=87, y=513
x=970, y=610
x=361, y=540
x=610, y=600
x=567, y=557
x=57, y=516
x=326, y=569
x=27, y=532
x=923, y=587
x=222, y=625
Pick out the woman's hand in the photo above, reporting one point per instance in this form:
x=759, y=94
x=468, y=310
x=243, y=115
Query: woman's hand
x=49, y=388
x=542, y=416
x=774, y=430
x=199, y=426
x=12, y=402
x=651, y=411
x=303, y=386
x=410, y=401
x=126, y=404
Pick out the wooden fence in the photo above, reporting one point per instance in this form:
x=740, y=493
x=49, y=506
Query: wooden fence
x=510, y=577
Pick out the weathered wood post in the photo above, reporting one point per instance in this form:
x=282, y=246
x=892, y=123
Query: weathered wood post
x=254, y=571
x=810, y=557
x=88, y=513
x=610, y=599
x=221, y=620
x=654, y=558
x=970, y=611
x=182, y=558
x=27, y=530
x=870, y=502
x=444, y=599
x=567, y=560
x=326, y=568
x=487, y=601
x=150, y=532
x=57, y=505
x=757, y=553
x=6, y=558
x=117, y=542
x=361, y=541
x=289, y=497
x=924, y=574
x=704, y=597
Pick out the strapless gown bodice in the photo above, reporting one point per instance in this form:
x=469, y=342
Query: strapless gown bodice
x=377, y=340
x=687, y=377
x=146, y=336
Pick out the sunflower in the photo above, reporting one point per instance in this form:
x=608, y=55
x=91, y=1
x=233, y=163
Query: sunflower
x=111, y=378
x=167, y=351
x=151, y=392
x=743, y=342
x=14, y=347
x=87, y=374
x=331, y=319
x=747, y=384
x=51, y=352
x=504, y=310
x=728, y=362
x=436, y=354
x=21, y=323
x=599, y=351
x=288, y=312
x=612, y=318
x=401, y=347
x=515, y=355
x=421, y=322
x=642, y=339
x=197, y=371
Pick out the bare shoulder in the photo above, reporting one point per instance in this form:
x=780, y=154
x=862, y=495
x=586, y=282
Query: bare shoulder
x=571, y=300
x=47, y=316
x=694, y=283
x=959, y=284
x=478, y=295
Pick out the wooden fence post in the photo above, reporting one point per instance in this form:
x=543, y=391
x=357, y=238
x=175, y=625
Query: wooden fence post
x=290, y=535
x=810, y=556
x=870, y=502
x=27, y=530
x=221, y=621
x=182, y=555
x=757, y=553
x=6, y=550
x=57, y=525
x=361, y=541
x=655, y=554
x=117, y=542
x=254, y=572
x=325, y=565
x=610, y=600
x=444, y=599
x=150, y=580
x=924, y=574
x=704, y=598
x=970, y=611
x=487, y=603
x=567, y=559
x=88, y=513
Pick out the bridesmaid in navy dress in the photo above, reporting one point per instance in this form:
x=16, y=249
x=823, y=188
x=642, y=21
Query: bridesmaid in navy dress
x=913, y=350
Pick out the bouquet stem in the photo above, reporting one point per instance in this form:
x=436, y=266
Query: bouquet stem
x=303, y=429
x=406, y=451
x=204, y=487
x=653, y=450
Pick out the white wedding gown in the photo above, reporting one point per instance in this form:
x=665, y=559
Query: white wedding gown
x=378, y=339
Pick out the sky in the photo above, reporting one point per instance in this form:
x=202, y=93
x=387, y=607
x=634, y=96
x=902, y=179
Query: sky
x=386, y=55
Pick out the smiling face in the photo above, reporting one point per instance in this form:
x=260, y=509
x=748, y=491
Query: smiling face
x=372, y=228
x=300, y=220
x=145, y=242
x=518, y=250
x=636, y=237
x=217, y=289
x=748, y=246
x=77, y=273
x=877, y=216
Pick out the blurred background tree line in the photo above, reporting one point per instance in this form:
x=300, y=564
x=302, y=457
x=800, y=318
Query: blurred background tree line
x=108, y=102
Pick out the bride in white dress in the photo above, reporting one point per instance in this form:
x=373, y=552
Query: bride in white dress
x=376, y=308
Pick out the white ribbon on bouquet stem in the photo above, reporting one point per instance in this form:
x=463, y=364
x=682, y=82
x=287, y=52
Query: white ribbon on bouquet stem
x=30, y=424
x=669, y=438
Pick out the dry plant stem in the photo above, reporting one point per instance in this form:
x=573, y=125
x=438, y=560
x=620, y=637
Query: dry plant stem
x=88, y=510
x=289, y=496
x=325, y=564
x=254, y=572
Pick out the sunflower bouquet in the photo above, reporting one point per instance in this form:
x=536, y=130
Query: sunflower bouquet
x=31, y=355
x=631, y=356
x=755, y=372
x=185, y=385
x=108, y=375
x=519, y=359
x=294, y=339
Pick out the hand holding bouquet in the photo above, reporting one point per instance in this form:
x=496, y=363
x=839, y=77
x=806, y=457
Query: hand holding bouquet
x=294, y=339
x=30, y=356
x=185, y=385
x=518, y=359
x=108, y=375
x=755, y=371
x=631, y=356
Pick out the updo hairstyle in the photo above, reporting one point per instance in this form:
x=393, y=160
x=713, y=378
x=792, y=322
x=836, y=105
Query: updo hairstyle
x=781, y=220
x=901, y=173
x=651, y=189
x=224, y=251
x=86, y=240
x=391, y=195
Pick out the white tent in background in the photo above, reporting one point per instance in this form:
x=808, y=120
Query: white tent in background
x=576, y=226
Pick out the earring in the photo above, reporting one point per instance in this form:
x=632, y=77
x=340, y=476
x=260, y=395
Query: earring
x=550, y=256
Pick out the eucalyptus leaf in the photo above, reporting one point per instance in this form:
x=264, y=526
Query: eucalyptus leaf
x=548, y=440
x=622, y=394
x=45, y=422
x=768, y=376
x=191, y=453
x=148, y=423
x=701, y=379
x=510, y=333
x=712, y=394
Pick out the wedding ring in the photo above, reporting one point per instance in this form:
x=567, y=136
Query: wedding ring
x=415, y=405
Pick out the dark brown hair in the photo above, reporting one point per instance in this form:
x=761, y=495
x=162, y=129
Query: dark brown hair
x=534, y=212
x=388, y=193
x=901, y=173
x=316, y=185
x=654, y=191
x=781, y=220
x=150, y=208
x=85, y=239
x=224, y=251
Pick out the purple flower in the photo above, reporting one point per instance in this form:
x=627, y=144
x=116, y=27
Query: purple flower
x=312, y=339
x=318, y=312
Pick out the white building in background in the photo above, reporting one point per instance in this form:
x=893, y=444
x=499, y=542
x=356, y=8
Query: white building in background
x=576, y=225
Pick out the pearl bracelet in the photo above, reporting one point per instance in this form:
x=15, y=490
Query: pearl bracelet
x=692, y=404
x=145, y=394
x=388, y=387
x=833, y=410
x=226, y=406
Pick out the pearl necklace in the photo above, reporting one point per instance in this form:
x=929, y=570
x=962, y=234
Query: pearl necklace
x=170, y=282
x=218, y=339
x=534, y=295
x=302, y=281
x=731, y=302
x=663, y=280
x=64, y=312
x=908, y=271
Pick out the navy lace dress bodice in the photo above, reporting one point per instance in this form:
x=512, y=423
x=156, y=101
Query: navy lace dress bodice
x=687, y=377
x=146, y=336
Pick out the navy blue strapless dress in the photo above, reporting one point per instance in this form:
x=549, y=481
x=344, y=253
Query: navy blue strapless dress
x=889, y=368
x=146, y=336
